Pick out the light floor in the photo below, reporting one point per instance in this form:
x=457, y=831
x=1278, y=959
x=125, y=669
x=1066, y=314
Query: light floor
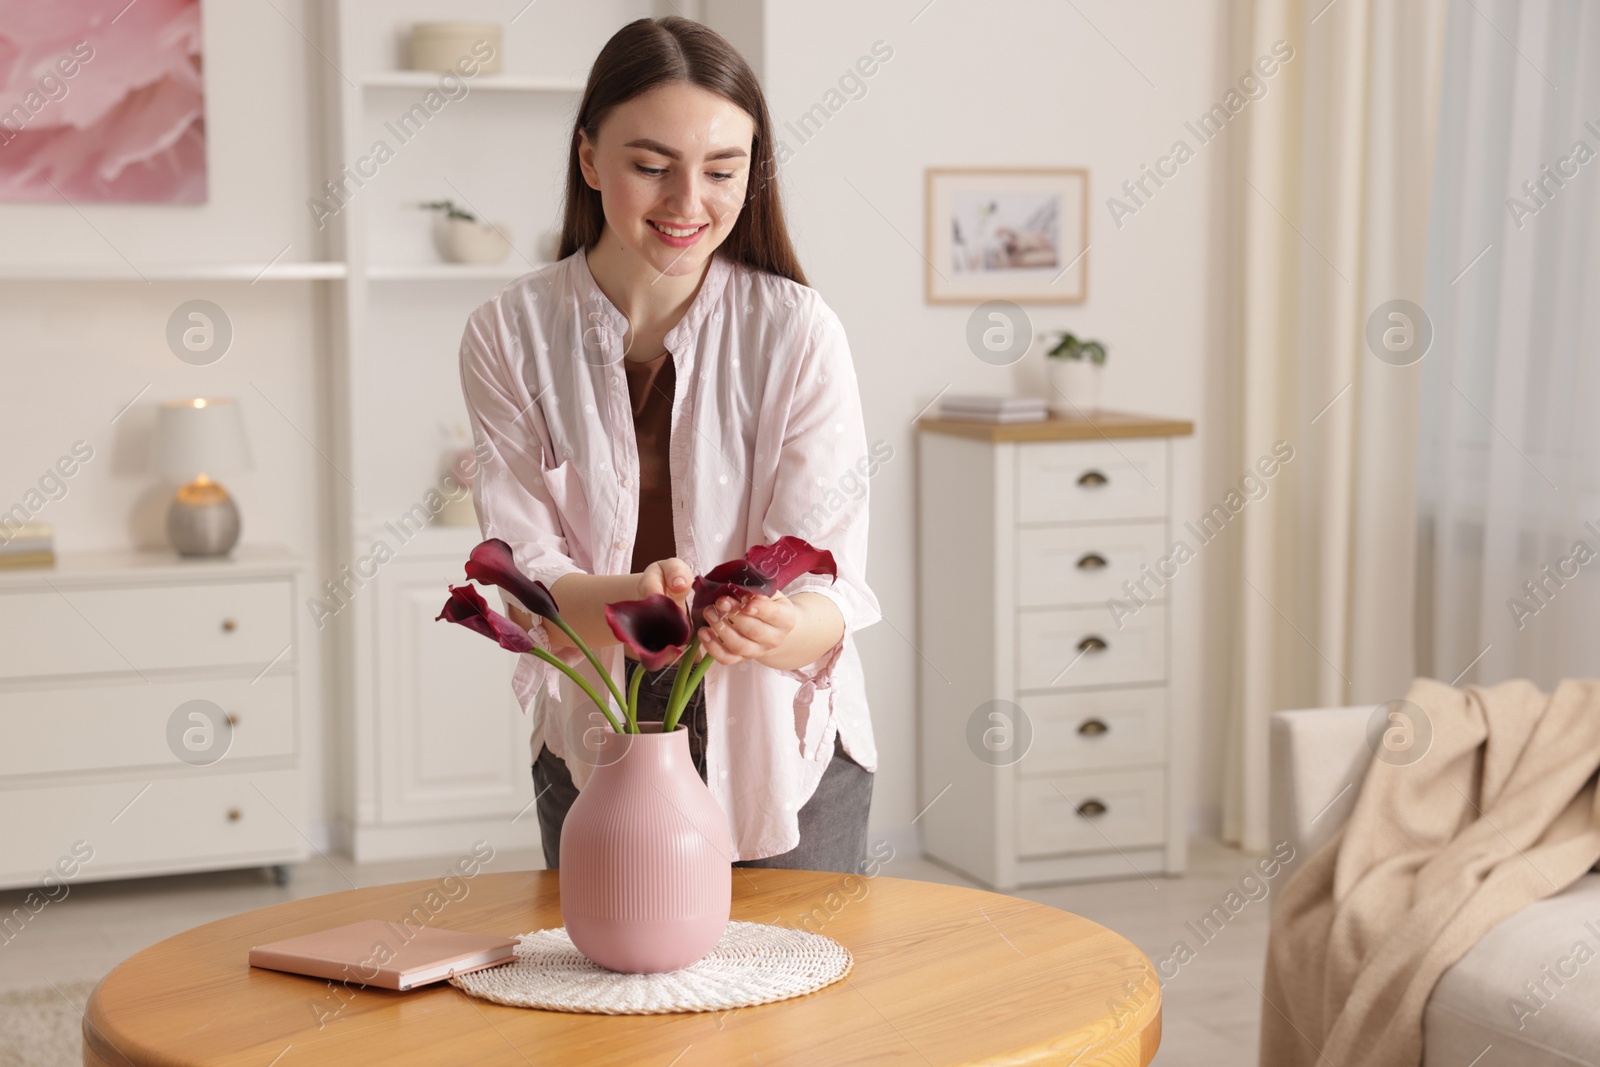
x=1210, y=1017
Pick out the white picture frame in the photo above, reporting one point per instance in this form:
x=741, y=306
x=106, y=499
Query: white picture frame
x=1019, y=234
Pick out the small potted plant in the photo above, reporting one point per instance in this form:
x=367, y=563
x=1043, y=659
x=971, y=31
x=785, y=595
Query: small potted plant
x=460, y=237
x=1074, y=368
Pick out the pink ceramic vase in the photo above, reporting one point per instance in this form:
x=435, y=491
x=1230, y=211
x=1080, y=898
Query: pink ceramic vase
x=646, y=861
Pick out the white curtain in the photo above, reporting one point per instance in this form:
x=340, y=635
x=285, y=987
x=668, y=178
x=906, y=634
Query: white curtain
x=1332, y=182
x=1511, y=409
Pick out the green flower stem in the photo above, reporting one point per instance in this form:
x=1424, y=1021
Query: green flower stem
x=633, y=699
x=679, y=678
x=695, y=675
x=584, y=648
x=561, y=665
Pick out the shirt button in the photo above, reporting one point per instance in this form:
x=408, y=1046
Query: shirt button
x=618, y=545
x=627, y=483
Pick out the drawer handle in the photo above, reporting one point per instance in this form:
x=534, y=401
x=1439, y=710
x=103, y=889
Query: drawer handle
x=1093, y=727
x=1090, y=809
x=1089, y=479
x=228, y=626
x=234, y=814
x=1092, y=562
x=1093, y=644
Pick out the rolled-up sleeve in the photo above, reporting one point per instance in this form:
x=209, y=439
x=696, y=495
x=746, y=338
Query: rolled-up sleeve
x=508, y=488
x=820, y=494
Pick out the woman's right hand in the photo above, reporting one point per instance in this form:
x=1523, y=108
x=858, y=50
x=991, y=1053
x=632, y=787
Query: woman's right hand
x=672, y=577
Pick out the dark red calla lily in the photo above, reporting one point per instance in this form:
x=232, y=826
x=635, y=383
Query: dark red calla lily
x=764, y=570
x=788, y=558
x=655, y=628
x=491, y=563
x=467, y=607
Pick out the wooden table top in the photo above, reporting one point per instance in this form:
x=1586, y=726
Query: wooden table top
x=943, y=975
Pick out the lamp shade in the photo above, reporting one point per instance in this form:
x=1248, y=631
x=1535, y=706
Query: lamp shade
x=201, y=436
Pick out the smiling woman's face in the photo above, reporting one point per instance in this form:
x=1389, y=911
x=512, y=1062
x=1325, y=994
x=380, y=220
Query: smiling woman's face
x=671, y=166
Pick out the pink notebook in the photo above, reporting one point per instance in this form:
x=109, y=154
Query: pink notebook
x=386, y=954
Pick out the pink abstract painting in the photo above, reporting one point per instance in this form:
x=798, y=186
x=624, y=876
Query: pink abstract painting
x=102, y=100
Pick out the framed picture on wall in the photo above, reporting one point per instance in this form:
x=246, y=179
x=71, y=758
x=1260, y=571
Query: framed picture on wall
x=1008, y=234
x=102, y=101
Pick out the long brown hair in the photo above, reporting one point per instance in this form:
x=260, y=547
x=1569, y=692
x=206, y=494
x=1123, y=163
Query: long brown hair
x=652, y=52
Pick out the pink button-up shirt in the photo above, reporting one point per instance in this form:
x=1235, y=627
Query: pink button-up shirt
x=767, y=440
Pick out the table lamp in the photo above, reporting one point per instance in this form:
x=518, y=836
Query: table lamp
x=201, y=438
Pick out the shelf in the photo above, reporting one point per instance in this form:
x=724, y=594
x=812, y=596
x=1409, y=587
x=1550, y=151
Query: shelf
x=431, y=272
x=171, y=272
x=427, y=79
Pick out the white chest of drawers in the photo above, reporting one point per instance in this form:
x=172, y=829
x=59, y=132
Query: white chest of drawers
x=97, y=657
x=1046, y=734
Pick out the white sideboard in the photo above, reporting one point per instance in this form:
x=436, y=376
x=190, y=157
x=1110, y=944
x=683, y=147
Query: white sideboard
x=1046, y=718
x=150, y=716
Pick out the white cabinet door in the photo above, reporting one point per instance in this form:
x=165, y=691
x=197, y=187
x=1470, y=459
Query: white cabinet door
x=452, y=742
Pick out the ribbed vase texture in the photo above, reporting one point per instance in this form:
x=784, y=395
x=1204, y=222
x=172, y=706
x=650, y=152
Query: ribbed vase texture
x=646, y=861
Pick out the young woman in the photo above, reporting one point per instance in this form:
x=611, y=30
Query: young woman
x=667, y=395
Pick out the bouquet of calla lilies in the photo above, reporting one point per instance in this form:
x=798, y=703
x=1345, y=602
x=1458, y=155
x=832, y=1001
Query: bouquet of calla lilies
x=656, y=629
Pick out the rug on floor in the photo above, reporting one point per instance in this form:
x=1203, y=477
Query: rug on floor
x=42, y=1026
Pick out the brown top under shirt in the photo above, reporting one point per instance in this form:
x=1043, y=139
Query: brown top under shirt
x=650, y=386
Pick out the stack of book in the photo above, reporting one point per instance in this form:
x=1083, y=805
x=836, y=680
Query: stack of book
x=27, y=545
x=993, y=408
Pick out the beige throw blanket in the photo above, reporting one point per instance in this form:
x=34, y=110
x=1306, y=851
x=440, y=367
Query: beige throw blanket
x=1500, y=812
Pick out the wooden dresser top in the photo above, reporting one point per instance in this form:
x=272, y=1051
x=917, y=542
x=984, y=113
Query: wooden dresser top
x=1092, y=427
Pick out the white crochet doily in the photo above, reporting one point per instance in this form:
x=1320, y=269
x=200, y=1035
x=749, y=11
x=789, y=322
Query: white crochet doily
x=753, y=963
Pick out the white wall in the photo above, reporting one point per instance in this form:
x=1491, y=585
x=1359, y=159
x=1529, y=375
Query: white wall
x=76, y=353
x=1009, y=84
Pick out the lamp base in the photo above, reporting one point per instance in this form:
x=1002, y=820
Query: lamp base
x=203, y=520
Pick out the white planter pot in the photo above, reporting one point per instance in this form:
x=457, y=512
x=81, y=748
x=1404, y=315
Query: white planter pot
x=1074, y=386
x=462, y=241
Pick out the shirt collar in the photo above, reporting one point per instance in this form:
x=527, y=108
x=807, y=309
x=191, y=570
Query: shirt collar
x=592, y=298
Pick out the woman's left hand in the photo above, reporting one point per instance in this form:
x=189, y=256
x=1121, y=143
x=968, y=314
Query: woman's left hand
x=756, y=630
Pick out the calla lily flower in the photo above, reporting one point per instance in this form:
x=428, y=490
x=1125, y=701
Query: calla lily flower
x=467, y=607
x=491, y=563
x=764, y=570
x=655, y=628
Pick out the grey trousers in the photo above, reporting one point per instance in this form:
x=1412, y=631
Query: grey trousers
x=833, y=823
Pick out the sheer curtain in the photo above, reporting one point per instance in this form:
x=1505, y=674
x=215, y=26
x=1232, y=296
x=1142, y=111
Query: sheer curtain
x=1507, y=502
x=1331, y=189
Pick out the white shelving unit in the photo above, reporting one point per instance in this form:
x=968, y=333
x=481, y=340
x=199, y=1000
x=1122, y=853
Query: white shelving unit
x=423, y=80
x=438, y=748
x=441, y=272
x=173, y=272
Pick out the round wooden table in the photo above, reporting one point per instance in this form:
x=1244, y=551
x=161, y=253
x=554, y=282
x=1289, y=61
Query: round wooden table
x=942, y=975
